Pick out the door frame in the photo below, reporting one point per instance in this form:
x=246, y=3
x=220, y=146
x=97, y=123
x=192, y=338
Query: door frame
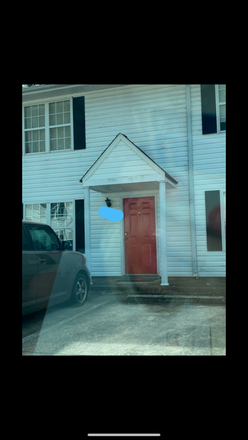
x=139, y=194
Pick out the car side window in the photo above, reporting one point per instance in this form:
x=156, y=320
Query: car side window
x=44, y=239
x=25, y=245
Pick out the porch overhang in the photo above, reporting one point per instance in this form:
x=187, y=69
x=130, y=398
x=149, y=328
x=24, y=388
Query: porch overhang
x=120, y=178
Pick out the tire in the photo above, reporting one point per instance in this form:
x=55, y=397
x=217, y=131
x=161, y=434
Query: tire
x=80, y=290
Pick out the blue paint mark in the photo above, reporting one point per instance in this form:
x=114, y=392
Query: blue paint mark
x=114, y=215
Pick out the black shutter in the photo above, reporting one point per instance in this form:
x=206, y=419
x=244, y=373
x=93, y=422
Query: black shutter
x=79, y=211
x=209, y=123
x=79, y=123
x=213, y=220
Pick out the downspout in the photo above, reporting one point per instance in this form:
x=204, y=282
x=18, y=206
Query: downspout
x=191, y=181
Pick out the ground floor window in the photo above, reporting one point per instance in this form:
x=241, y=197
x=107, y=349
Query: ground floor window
x=36, y=212
x=215, y=203
x=62, y=220
x=66, y=219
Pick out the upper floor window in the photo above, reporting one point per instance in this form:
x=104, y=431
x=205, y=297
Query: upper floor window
x=59, y=119
x=34, y=127
x=48, y=127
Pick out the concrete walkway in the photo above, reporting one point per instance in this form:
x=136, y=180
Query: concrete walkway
x=147, y=288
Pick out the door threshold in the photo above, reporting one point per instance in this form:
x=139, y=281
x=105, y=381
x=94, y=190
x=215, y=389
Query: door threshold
x=139, y=277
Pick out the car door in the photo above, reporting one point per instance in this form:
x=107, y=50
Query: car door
x=30, y=273
x=48, y=250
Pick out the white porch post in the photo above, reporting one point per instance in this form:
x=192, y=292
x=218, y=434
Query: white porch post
x=163, y=236
x=87, y=227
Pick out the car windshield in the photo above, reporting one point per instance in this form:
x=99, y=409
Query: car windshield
x=124, y=220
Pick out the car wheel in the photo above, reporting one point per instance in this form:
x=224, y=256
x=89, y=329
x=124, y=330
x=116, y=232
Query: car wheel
x=79, y=291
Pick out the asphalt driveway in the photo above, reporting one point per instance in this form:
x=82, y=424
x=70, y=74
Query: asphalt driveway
x=109, y=325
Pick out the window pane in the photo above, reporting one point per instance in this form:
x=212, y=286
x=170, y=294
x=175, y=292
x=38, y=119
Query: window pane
x=41, y=121
x=41, y=110
x=59, y=107
x=60, y=118
x=42, y=135
x=36, y=213
x=52, y=119
x=35, y=110
x=42, y=146
x=61, y=144
x=27, y=112
x=28, y=147
x=53, y=134
x=67, y=118
x=53, y=145
x=66, y=106
x=52, y=108
x=67, y=143
x=35, y=122
x=62, y=214
x=67, y=131
x=61, y=132
x=28, y=123
x=36, y=147
x=28, y=136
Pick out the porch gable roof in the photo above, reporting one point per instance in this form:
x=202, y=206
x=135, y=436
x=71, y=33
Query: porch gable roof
x=159, y=174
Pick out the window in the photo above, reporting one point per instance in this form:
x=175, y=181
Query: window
x=59, y=119
x=36, y=212
x=62, y=220
x=48, y=127
x=221, y=105
x=60, y=216
x=215, y=220
x=34, y=128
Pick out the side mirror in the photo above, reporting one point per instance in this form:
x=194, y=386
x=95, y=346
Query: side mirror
x=66, y=245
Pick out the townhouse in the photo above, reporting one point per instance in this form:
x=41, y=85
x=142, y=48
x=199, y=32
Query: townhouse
x=154, y=152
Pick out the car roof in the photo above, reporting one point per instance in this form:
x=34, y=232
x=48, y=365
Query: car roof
x=34, y=223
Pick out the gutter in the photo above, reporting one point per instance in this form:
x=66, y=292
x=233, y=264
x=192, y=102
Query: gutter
x=191, y=181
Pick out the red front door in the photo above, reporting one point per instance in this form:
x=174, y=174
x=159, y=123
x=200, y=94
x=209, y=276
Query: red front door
x=140, y=235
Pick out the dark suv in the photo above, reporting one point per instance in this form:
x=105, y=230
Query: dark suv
x=50, y=273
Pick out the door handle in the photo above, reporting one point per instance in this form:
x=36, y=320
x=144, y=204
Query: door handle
x=125, y=239
x=42, y=260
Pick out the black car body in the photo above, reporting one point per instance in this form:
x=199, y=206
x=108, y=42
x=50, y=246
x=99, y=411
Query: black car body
x=50, y=273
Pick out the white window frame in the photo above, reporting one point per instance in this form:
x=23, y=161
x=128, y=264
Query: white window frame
x=31, y=129
x=47, y=126
x=218, y=108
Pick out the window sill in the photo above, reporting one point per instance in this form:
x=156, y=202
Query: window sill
x=47, y=152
